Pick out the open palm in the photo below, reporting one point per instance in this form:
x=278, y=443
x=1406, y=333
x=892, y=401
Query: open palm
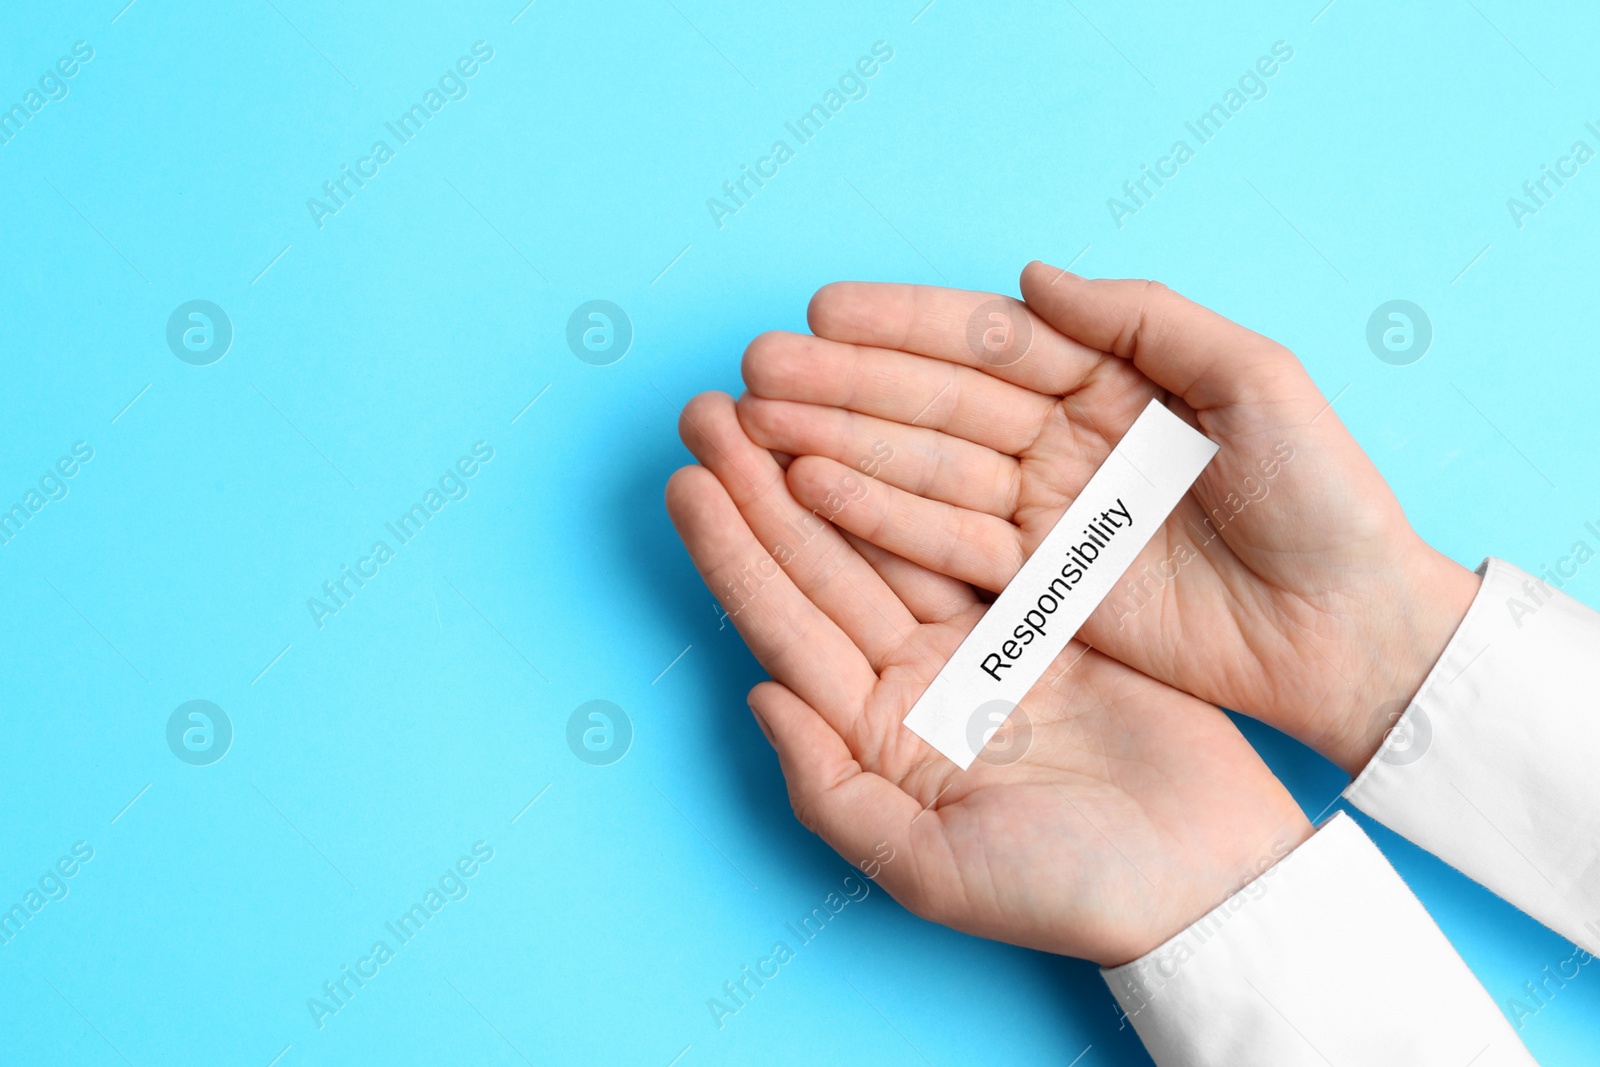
x=1287, y=584
x=1109, y=814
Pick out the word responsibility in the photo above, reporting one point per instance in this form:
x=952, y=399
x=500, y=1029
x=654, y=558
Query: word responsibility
x=1079, y=561
x=1080, y=557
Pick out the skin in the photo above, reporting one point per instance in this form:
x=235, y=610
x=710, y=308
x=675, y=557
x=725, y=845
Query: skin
x=1122, y=813
x=1287, y=585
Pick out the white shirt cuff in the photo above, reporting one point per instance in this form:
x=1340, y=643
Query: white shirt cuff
x=1495, y=766
x=1327, y=957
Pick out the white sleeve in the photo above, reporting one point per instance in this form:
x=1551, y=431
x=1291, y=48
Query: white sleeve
x=1495, y=766
x=1325, y=958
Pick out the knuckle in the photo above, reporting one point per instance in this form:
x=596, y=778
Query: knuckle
x=805, y=811
x=1149, y=324
x=1010, y=494
x=1154, y=297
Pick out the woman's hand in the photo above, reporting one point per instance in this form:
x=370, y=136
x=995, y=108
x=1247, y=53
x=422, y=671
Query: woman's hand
x=1287, y=585
x=1110, y=812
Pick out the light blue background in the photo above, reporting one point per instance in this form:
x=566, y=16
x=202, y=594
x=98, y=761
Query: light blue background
x=427, y=314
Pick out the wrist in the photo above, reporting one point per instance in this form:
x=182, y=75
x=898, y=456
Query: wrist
x=1215, y=879
x=1418, y=624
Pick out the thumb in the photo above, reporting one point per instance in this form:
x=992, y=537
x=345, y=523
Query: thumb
x=1184, y=348
x=866, y=818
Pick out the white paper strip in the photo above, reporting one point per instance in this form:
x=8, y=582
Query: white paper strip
x=1091, y=546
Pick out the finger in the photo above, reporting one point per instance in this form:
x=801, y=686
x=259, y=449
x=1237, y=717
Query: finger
x=991, y=333
x=914, y=458
x=788, y=634
x=866, y=818
x=819, y=562
x=969, y=546
x=910, y=389
x=1181, y=346
x=932, y=597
